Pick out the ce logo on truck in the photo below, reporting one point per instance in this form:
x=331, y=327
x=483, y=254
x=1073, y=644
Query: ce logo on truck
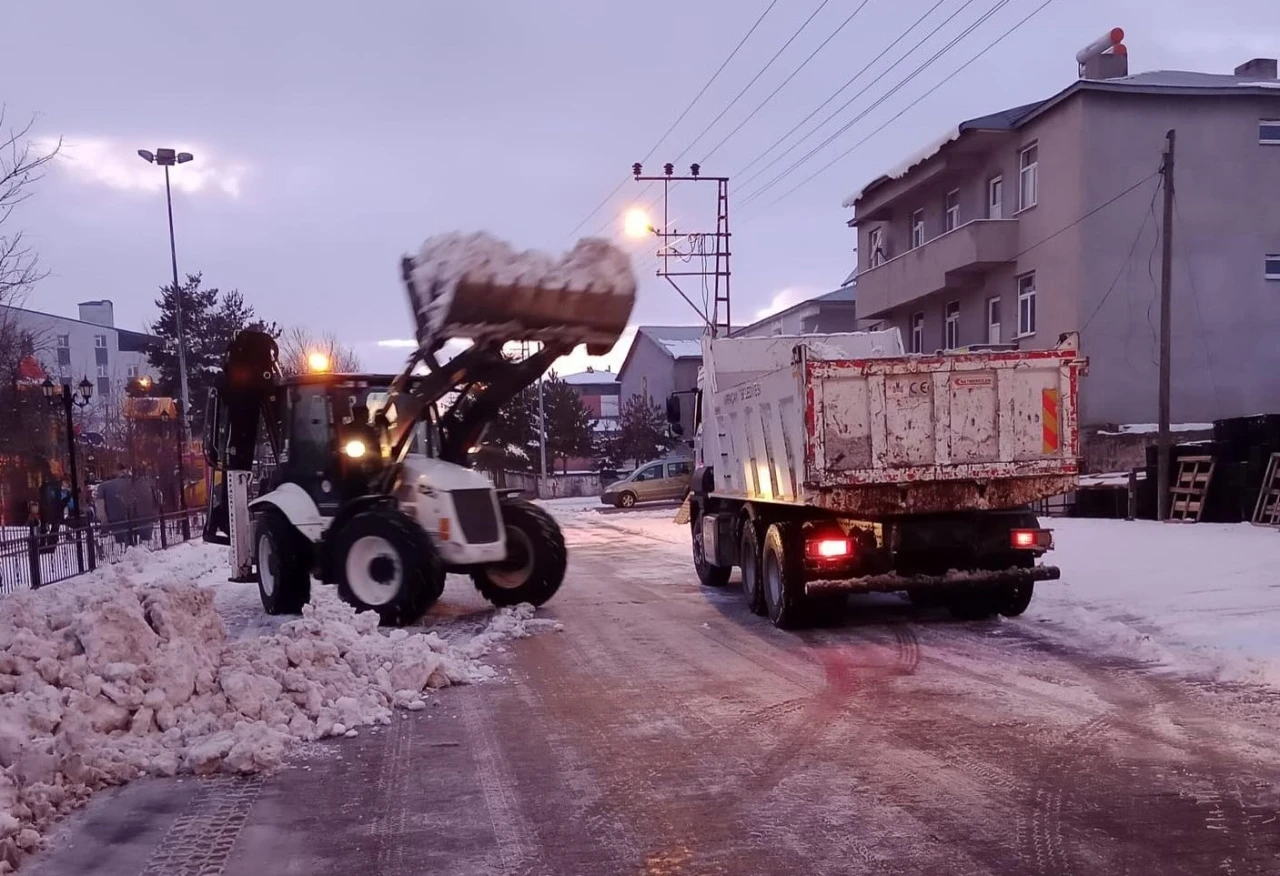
x=914, y=388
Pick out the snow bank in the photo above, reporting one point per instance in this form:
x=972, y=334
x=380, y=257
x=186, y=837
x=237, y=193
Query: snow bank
x=446, y=260
x=109, y=679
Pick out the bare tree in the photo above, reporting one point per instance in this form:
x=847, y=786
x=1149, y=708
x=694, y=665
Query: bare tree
x=297, y=345
x=20, y=168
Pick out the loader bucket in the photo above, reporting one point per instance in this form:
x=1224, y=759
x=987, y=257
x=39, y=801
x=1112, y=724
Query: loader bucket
x=476, y=286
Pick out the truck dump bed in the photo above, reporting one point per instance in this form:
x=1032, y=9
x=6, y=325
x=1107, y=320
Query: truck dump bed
x=894, y=435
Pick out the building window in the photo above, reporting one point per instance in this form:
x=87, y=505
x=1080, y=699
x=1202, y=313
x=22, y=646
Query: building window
x=132, y=371
x=951, y=211
x=1269, y=132
x=1271, y=266
x=64, y=342
x=917, y=229
x=917, y=333
x=102, y=370
x=64, y=370
x=104, y=387
x=100, y=341
x=1027, y=304
x=951, y=325
x=609, y=406
x=875, y=245
x=993, y=320
x=1028, y=177
x=995, y=198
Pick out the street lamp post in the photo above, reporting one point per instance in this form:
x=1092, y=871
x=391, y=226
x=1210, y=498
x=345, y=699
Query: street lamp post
x=69, y=400
x=167, y=158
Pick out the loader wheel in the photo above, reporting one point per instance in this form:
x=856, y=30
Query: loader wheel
x=751, y=583
x=386, y=563
x=708, y=575
x=627, y=500
x=782, y=577
x=536, y=559
x=284, y=564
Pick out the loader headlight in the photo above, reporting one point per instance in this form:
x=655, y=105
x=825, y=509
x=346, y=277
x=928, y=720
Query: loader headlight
x=355, y=449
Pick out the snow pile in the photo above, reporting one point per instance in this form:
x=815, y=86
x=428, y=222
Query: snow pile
x=107, y=680
x=900, y=170
x=683, y=349
x=447, y=260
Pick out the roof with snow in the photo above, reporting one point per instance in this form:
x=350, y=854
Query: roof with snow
x=1184, y=82
x=846, y=294
x=590, y=378
x=680, y=341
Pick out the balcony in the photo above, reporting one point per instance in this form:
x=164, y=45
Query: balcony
x=946, y=262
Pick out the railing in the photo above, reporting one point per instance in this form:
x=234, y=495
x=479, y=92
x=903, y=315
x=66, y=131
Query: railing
x=30, y=559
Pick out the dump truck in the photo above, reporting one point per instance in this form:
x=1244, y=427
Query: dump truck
x=837, y=464
x=362, y=480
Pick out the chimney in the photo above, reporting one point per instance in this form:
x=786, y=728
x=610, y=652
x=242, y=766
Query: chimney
x=98, y=312
x=1258, y=68
x=1107, y=57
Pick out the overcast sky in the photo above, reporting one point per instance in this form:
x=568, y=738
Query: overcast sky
x=330, y=138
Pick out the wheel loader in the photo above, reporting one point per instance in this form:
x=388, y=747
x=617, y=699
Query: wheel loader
x=361, y=480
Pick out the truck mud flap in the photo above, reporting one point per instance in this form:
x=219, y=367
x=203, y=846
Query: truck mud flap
x=890, y=583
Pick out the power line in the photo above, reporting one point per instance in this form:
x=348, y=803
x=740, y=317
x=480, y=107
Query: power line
x=755, y=78
x=783, y=84
x=1128, y=260
x=999, y=4
x=839, y=91
x=915, y=102
x=1195, y=297
x=679, y=118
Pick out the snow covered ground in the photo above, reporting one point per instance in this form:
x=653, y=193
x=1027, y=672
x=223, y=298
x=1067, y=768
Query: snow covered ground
x=157, y=665
x=1201, y=600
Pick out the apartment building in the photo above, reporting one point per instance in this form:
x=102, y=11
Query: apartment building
x=88, y=347
x=1045, y=218
x=834, y=311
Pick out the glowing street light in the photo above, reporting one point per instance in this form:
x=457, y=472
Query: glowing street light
x=317, y=361
x=636, y=223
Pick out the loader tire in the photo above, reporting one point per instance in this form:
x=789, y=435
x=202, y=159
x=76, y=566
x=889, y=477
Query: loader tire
x=752, y=587
x=385, y=562
x=1014, y=599
x=284, y=564
x=782, y=577
x=708, y=575
x=536, y=558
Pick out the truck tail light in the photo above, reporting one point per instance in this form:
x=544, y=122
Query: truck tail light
x=1031, y=539
x=829, y=548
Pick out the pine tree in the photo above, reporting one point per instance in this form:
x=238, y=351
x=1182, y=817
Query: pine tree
x=511, y=442
x=643, y=432
x=570, y=426
x=210, y=321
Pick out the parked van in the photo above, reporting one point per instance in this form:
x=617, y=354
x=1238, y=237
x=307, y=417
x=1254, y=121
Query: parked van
x=662, y=480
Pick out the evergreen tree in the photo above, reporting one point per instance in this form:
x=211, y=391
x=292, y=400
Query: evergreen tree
x=570, y=426
x=511, y=441
x=643, y=432
x=210, y=320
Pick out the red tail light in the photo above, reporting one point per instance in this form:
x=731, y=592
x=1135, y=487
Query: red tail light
x=830, y=548
x=1031, y=539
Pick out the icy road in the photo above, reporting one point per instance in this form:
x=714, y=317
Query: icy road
x=668, y=731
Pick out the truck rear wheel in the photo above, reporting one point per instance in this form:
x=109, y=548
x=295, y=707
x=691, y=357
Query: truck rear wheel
x=782, y=576
x=974, y=604
x=284, y=564
x=536, y=559
x=1013, y=599
x=750, y=559
x=709, y=575
x=384, y=562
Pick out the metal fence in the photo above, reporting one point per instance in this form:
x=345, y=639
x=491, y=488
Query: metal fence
x=30, y=559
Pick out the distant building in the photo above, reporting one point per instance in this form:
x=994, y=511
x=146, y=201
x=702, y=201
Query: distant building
x=601, y=393
x=662, y=359
x=1043, y=219
x=824, y=314
x=72, y=349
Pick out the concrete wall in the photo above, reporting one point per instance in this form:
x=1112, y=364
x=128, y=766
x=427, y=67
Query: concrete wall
x=1226, y=316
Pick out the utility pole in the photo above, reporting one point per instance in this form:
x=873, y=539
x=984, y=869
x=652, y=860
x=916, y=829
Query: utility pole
x=542, y=441
x=1163, y=439
x=715, y=305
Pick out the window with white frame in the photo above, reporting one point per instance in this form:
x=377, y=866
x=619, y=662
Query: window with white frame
x=951, y=325
x=1028, y=177
x=132, y=371
x=1269, y=132
x=64, y=370
x=102, y=370
x=951, y=211
x=993, y=320
x=1271, y=266
x=100, y=341
x=917, y=229
x=917, y=333
x=1027, y=304
x=64, y=342
x=875, y=246
x=995, y=198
